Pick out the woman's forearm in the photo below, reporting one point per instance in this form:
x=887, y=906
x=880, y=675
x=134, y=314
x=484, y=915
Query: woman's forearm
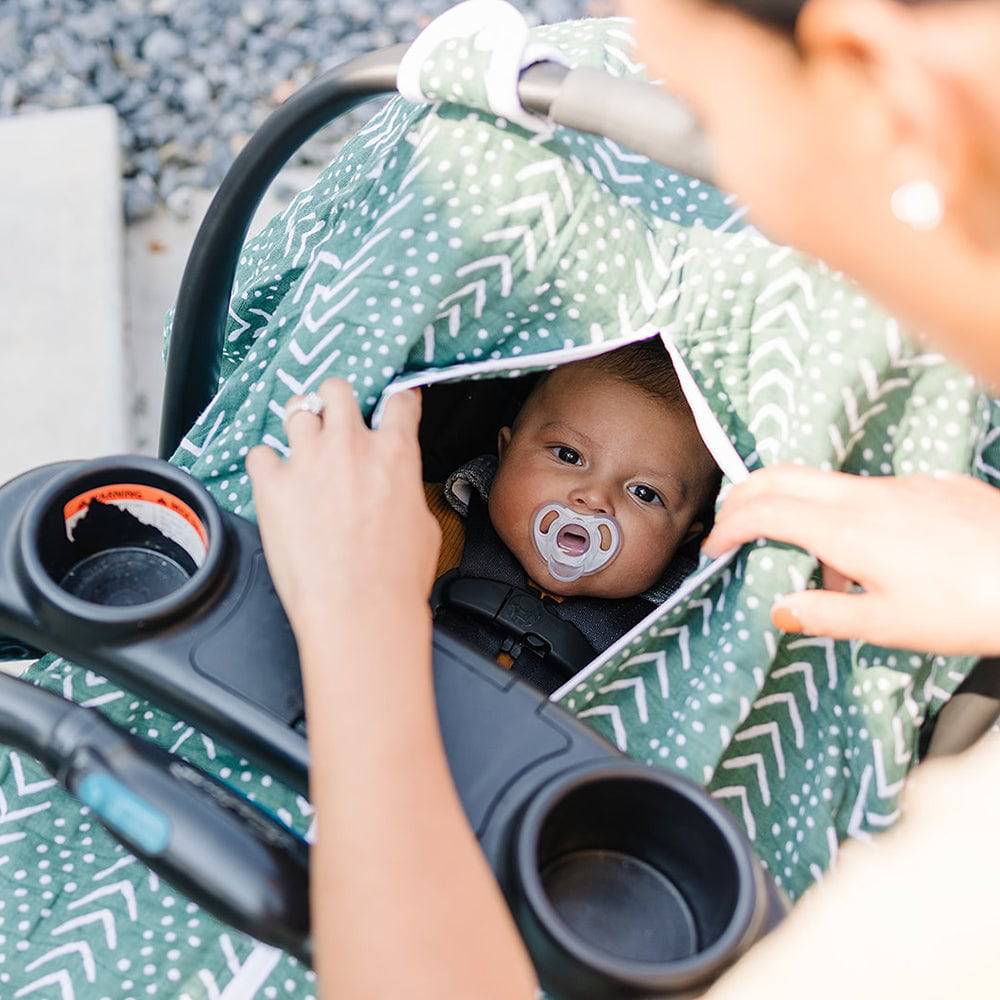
x=404, y=903
x=926, y=890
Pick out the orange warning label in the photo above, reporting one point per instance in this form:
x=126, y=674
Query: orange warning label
x=151, y=506
x=119, y=492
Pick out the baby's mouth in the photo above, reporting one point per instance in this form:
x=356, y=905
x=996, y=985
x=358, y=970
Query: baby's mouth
x=572, y=540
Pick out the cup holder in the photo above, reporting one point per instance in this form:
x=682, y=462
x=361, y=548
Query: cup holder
x=633, y=882
x=120, y=542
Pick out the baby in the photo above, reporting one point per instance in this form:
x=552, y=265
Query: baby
x=600, y=483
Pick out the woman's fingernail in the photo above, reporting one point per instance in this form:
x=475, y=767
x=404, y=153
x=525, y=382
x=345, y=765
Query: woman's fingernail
x=785, y=618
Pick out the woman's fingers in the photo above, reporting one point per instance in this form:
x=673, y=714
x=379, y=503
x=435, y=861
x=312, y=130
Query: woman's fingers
x=262, y=463
x=800, y=481
x=816, y=510
x=300, y=423
x=341, y=413
x=906, y=540
x=805, y=523
x=398, y=432
x=833, y=579
x=402, y=413
x=823, y=612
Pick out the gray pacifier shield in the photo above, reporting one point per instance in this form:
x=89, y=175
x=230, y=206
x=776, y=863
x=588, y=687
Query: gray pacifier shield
x=574, y=544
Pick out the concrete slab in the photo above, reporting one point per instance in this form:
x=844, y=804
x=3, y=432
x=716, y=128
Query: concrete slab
x=61, y=359
x=156, y=250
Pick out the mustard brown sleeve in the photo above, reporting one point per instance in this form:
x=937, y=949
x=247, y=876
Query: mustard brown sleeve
x=452, y=528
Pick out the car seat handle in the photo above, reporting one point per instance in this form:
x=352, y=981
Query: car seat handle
x=641, y=116
x=636, y=114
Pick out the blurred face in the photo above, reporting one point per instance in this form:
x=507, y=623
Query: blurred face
x=599, y=446
x=816, y=134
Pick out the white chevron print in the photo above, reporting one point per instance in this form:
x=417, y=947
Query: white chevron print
x=103, y=916
x=786, y=312
x=776, y=378
x=777, y=345
x=79, y=948
x=613, y=712
x=795, y=277
x=756, y=761
x=555, y=167
x=539, y=202
x=771, y=730
x=61, y=979
x=830, y=655
x=739, y=792
x=805, y=668
x=25, y=787
x=501, y=261
x=788, y=700
x=522, y=233
x=638, y=688
x=660, y=659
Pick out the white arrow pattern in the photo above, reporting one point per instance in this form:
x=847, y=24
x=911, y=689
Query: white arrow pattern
x=366, y=265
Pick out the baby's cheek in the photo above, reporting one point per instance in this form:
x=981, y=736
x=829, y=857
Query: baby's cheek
x=645, y=559
x=513, y=526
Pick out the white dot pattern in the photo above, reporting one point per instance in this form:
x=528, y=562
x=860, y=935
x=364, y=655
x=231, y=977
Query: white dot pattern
x=443, y=236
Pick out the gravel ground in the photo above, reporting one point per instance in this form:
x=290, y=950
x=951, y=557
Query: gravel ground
x=192, y=79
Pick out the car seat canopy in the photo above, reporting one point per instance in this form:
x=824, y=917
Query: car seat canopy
x=448, y=246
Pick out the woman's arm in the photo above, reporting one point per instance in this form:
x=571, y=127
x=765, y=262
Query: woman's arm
x=404, y=904
x=910, y=914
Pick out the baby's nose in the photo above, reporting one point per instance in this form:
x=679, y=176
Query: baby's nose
x=590, y=502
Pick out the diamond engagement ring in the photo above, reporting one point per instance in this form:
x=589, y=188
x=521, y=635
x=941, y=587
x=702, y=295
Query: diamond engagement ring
x=310, y=403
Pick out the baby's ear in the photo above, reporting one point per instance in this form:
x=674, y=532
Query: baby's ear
x=503, y=439
x=695, y=529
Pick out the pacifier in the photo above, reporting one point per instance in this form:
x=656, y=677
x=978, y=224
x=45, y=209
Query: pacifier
x=574, y=544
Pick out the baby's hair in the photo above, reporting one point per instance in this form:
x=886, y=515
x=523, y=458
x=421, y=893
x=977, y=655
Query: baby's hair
x=645, y=365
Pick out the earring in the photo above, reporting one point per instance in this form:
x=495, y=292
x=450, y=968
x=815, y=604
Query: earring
x=918, y=204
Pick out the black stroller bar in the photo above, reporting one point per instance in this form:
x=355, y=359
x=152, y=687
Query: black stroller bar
x=584, y=99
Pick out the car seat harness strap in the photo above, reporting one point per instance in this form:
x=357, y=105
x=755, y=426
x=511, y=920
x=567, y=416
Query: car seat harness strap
x=487, y=602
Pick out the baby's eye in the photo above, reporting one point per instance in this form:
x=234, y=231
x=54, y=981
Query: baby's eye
x=567, y=455
x=646, y=494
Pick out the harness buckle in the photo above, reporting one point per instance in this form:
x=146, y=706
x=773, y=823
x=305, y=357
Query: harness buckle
x=525, y=617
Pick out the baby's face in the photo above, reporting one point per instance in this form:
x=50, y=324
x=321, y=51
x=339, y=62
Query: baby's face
x=597, y=445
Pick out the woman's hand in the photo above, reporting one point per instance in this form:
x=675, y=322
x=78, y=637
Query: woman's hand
x=926, y=551
x=345, y=525
x=403, y=901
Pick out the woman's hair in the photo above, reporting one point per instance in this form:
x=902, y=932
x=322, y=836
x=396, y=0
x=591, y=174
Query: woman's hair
x=779, y=13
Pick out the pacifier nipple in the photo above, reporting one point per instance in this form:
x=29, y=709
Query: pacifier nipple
x=574, y=544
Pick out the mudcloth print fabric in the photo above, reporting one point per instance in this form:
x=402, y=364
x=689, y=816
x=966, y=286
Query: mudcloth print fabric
x=457, y=237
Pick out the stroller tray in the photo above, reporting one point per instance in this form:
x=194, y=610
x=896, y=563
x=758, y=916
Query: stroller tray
x=128, y=566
